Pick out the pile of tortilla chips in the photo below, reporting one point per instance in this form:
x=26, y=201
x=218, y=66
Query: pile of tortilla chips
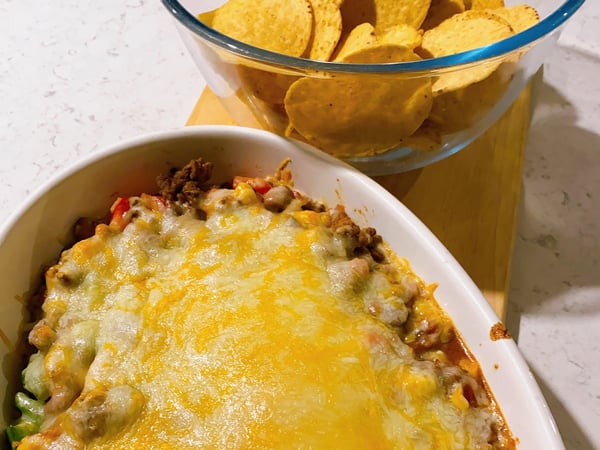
x=360, y=114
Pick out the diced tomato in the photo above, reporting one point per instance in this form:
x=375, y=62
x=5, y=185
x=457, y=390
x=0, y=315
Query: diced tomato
x=259, y=185
x=154, y=202
x=160, y=201
x=118, y=211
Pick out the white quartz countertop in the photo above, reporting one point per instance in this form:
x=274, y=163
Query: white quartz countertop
x=76, y=76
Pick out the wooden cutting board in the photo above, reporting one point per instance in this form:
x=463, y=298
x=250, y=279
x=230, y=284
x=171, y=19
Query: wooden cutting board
x=469, y=200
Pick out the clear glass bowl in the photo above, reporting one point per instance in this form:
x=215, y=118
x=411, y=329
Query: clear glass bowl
x=251, y=83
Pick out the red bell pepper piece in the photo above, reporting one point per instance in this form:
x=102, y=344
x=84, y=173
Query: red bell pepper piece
x=118, y=211
x=154, y=202
x=260, y=185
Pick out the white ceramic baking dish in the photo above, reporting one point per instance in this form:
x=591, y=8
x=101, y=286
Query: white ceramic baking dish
x=35, y=234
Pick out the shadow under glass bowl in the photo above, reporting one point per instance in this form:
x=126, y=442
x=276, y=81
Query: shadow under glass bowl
x=252, y=83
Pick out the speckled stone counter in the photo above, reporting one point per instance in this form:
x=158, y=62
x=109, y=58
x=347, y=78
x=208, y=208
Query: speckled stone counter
x=77, y=76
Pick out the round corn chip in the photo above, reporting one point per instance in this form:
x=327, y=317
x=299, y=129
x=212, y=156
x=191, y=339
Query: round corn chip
x=267, y=86
x=326, y=31
x=356, y=12
x=427, y=138
x=486, y=4
x=282, y=26
x=520, y=17
x=403, y=35
x=355, y=115
x=207, y=17
x=459, y=33
x=383, y=14
x=380, y=54
x=393, y=12
x=362, y=36
x=465, y=31
x=441, y=10
x=458, y=110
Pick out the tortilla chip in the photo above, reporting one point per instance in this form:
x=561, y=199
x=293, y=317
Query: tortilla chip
x=282, y=26
x=267, y=86
x=207, y=18
x=389, y=13
x=486, y=4
x=427, y=138
x=356, y=12
x=327, y=29
x=403, y=35
x=460, y=33
x=357, y=115
x=441, y=10
x=360, y=37
x=383, y=14
x=520, y=17
x=458, y=110
x=365, y=114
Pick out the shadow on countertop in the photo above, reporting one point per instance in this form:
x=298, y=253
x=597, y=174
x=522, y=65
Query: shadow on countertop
x=557, y=247
x=554, y=299
x=574, y=437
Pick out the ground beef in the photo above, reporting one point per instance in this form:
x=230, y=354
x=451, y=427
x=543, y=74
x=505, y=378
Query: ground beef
x=186, y=184
x=499, y=331
x=362, y=240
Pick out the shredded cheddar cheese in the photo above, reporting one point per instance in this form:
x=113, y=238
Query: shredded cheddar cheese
x=246, y=329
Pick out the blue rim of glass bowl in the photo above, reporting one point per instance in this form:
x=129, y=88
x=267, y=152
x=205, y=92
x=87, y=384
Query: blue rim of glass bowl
x=525, y=38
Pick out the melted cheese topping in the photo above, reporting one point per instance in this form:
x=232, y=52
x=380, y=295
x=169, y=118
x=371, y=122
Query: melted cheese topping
x=245, y=330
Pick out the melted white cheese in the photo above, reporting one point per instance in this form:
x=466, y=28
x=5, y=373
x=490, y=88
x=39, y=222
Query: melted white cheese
x=246, y=330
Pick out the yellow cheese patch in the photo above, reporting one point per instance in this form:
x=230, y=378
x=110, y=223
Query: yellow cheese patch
x=230, y=333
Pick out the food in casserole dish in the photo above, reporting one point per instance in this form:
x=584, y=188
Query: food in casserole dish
x=244, y=315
